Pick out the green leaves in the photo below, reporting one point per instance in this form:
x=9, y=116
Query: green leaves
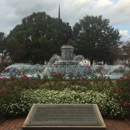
x=28, y=97
x=94, y=37
x=17, y=95
x=41, y=36
x=3, y=46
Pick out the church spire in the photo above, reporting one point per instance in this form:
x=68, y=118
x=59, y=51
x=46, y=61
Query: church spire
x=59, y=12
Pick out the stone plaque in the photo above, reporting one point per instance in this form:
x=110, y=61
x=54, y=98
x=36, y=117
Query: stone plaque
x=64, y=115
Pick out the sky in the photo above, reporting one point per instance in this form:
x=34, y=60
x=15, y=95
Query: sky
x=117, y=11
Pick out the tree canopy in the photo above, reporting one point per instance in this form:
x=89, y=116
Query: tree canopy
x=3, y=46
x=94, y=37
x=39, y=36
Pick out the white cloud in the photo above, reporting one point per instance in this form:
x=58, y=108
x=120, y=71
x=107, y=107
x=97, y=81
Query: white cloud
x=13, y=11
x=119, y=12
x=125, y=35
x=124, y=32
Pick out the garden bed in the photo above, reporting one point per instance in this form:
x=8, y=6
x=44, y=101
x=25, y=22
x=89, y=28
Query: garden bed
x=17, y=95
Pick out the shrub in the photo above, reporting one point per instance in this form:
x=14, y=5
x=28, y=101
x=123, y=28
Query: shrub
x=18, y=94
x=121, y=92
x=29, y=96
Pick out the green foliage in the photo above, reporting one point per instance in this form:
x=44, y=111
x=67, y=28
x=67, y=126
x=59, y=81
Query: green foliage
x=3, y=46
x=93, y=38
x=3, y=66
x=126, y=48
x=28, y=97
x=9, y=94
x=40, y=35
x=16, y=50
x=18, y=95
x=121, y=92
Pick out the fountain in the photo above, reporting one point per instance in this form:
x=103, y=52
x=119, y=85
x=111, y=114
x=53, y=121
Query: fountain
x=65, y=63
x=80, y=68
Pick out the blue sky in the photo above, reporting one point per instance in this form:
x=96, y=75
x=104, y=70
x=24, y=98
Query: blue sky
x=117, y=11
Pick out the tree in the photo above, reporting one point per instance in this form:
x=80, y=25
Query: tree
x=16, y=51
x=116, y=52
x=126, y=50
x=93, y=38
x=3, y=46
x=40, y=35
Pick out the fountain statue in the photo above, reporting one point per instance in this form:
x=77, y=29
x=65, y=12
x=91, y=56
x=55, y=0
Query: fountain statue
x=68, y=33
x=67, y=51
x=67, y=62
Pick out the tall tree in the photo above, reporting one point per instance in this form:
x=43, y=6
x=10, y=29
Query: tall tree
x=3, y=46
x=40, y=35
x=94, y=38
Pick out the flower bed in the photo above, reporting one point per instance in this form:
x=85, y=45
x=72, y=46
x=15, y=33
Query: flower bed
x=18, y=94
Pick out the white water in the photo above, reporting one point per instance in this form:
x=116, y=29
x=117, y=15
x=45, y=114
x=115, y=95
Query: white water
x=111, y=71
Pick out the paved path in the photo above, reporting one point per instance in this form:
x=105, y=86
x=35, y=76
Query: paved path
x=16, y=124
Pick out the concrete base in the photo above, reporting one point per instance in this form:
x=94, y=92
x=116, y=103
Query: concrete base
x=68, y=62
x=67, y=52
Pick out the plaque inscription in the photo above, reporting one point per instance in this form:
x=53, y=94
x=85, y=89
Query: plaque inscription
x=64, y=115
